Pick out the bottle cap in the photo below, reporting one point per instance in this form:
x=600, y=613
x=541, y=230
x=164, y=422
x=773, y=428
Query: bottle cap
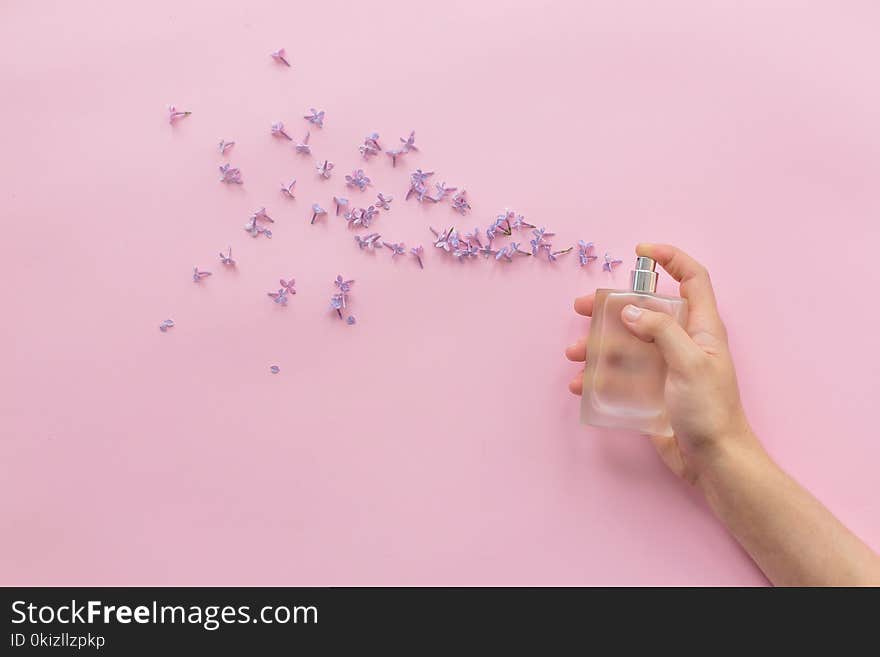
x=643, y=278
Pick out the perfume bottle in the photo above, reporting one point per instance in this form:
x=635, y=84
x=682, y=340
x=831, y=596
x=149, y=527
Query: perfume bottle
x=625, y=377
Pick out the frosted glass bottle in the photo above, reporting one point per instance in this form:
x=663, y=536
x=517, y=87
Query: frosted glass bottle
x=625, y=377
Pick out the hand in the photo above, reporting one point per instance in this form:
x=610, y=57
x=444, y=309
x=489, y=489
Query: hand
x=702, y=396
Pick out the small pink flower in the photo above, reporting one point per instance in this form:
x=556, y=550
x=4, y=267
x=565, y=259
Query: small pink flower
x=281, y=57
x=278, y=131
x=315, y=117
x=287, y=190
x=230, y=174
x=173, y=114
x=324, y=168
x=303, y=148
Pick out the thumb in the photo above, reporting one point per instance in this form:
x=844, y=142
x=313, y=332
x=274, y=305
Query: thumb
x=675, y=345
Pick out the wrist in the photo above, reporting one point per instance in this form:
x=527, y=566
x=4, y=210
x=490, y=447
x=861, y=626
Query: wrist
x=737, y=451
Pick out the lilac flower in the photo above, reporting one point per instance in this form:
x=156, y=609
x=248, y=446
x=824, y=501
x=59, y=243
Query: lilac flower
x=350, y=320
x=340, y=202
x=339, y=300
x=337, y=304
x=466, y=250
x=278, y=131
x=367, y=216
x=610, y=263
x=503, y=221
x=166, y=324
x=585, y=252
x=553, y=255
x=225, y=146
x=460, y=203
x=287, y=190
x=474, y=237
x=229, y=174
x=260, y=213
x=442, y=191
x=417, y=180
x=303, y=148
x=409, y=144
x=487, y=250
x=394, y=154
x=447, y=240
x=514, y=248
x=198, y=275
x=281, y=296
x=538, y=241
x=254, y=228
x=397, y=248
x=371, y=146
x=281, y=57
x=504, y=252
x=418, y=252
x=274, y=368
x=519, y=223
x=370, y=241
x=315, y=117
x=491, y=231
x=253, y=225
x=357, y=179
x=384, y=202
x=324, y=168
x=343, y=285
x=226, y=258
x=317, y=211
x=174, y=115
x=353, y=216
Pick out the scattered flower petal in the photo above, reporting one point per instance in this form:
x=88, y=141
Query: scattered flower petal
x=357, y=179
x=585, y=252
x=442, y=191
x=230, y=174
x=278, y=131
x=317, y=211
x=460, y=203
x=371, y=146
x=341, y=202
x=174, y=114
x=226, y=258
x=370, y=242
x=198, y=275
x=281, y=57
x=225, y=146
x=287, y=190
x=610, y=262
x=409, y=144
x=324, y=168
x=397, y=248
x=303, y=147
x=418, y=252
x=394, y=154
x=274, y=368
x=315, y=117
x=384, y=202
x=166, y=324
x=417, y=184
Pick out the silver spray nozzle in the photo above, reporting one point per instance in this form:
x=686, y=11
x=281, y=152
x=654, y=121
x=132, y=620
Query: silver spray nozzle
x=643, y=278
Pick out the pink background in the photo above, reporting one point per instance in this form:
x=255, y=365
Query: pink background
x=435, y=442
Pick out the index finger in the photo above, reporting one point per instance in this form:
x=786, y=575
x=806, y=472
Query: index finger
x=695, y=285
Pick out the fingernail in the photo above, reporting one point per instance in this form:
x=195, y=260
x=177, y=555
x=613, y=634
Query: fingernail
x=631, y=313
x=572, y=346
